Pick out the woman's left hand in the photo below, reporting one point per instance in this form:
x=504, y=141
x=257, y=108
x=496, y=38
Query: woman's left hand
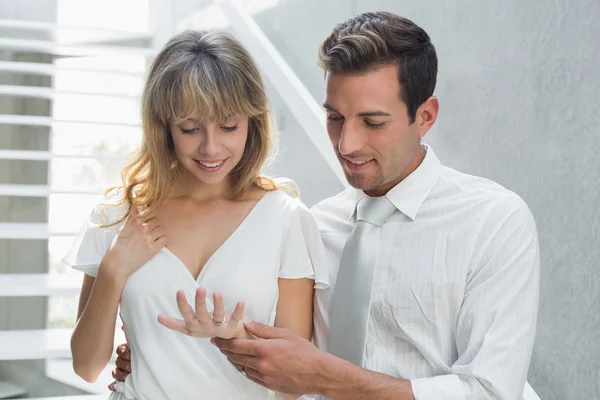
x=203, y=324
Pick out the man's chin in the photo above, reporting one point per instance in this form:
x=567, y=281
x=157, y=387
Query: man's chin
x=360, y=182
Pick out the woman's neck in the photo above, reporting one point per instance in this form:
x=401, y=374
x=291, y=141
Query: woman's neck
x=186, y=186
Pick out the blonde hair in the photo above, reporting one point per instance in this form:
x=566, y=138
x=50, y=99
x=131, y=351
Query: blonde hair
x=208, y=76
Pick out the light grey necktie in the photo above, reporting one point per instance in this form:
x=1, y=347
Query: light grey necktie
x=352, y=294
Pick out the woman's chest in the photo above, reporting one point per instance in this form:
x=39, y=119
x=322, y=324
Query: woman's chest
x=196, y=236
x=247, y=271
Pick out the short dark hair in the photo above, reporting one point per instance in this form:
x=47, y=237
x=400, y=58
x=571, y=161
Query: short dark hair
x=373, y=39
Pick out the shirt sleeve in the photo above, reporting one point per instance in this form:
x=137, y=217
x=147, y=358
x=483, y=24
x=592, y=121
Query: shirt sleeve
x=302, y=252
x=497, y=321
x=94, y=238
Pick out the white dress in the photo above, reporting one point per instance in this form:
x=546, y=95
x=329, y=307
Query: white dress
x=278, y=239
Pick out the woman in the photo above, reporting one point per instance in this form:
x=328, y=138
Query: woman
x=194, y=213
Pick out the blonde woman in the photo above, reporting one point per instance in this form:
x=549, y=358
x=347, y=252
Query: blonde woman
x=194, y=215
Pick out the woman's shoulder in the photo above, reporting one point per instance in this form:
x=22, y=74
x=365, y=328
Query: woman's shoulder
x=289, y=207
x=111, y=208
x=280, y=200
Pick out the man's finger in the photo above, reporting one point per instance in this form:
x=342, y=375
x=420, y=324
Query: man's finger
x=123, y=364
x=251, y=373
x=241, y=359
x=265, y=331
x=123, y=352
x=174, y=324
x=239, y=346
x=119, y=375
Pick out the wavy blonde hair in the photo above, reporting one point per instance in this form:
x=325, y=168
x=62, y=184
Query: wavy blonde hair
x=208, y=76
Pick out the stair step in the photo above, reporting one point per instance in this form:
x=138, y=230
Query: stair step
x=32, y=230
x=35, y=120
x=83, y=397
x=52, y=70
x=49, y=47
x=50, y=27
x=39, y=191
x=9, y=390
x=40, y=344
x=50, y=94
x=35, y=344
x=38, y=285
x=42, y=155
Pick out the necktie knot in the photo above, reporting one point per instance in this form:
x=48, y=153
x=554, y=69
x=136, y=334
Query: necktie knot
x=374, y=210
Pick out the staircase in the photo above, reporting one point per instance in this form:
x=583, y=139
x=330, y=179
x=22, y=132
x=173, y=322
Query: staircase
x=33, y=62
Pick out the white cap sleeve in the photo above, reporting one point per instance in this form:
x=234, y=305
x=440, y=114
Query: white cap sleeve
x=302, y=251
x=94, y=238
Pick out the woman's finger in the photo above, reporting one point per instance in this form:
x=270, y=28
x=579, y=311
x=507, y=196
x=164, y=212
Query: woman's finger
x=219, y=312
x=238, y=313
x=151, y=224
x=201, y=311
x=186, y=310
x=157, y=233
x=174, y=324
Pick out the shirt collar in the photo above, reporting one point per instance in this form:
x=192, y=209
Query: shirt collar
x=409, y=195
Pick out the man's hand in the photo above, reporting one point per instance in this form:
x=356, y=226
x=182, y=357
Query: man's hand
x=123, y=365
x=285, y=362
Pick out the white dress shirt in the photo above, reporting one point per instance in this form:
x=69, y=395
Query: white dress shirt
x=455, y=298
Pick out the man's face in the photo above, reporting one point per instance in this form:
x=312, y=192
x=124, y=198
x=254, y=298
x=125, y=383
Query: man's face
x=369, y=127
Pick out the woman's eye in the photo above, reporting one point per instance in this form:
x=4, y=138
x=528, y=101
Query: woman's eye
x=229, y=128
x=188, y=131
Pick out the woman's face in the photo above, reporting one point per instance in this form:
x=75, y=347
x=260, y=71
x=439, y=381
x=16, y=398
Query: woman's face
x=210, y=152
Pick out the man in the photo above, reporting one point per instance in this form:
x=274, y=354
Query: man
x=434, y=274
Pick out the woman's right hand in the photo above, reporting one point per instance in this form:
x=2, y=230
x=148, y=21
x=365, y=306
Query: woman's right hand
x=136, y=242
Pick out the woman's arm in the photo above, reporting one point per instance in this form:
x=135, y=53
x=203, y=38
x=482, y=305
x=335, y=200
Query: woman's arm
x=295, y=306
x=138, y=240
x=295, y=311
x=93, y=338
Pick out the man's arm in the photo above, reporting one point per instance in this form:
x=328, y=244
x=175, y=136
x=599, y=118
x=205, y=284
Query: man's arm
x=287, y=363
x=497, y=320
x=344, y=380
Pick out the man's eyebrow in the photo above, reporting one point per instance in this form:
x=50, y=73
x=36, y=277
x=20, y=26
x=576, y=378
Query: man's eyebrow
x=330, y=108
x=374, y=114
